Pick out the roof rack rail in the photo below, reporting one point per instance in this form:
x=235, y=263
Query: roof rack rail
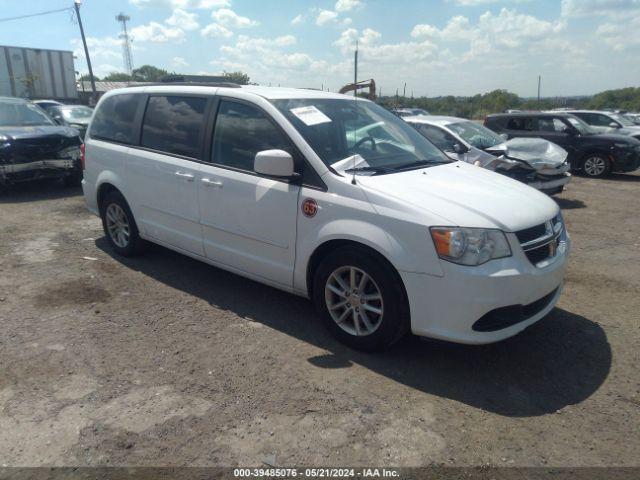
x=191, y=84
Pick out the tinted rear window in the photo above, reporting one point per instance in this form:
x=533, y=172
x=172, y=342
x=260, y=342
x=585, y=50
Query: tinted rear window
x=174, y=124
x=115, y=119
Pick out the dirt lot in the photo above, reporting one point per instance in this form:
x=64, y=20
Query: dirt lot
x=163, y=360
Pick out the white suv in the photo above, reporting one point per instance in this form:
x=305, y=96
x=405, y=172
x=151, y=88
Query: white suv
x=382, y=230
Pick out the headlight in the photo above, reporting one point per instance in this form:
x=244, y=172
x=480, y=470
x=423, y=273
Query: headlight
x=70, y=152
x=469, y=246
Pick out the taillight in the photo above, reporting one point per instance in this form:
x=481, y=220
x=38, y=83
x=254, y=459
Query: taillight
x=82, y=156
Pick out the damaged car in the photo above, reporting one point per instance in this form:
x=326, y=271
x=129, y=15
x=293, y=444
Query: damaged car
x=33, y=147
x=536, y=162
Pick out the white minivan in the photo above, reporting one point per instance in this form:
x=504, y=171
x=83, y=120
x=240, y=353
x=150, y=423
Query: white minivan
x=383, y=231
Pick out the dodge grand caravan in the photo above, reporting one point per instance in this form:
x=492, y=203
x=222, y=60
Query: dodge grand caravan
x=383, y=232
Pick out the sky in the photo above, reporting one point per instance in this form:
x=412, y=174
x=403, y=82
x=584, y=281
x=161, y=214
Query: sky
x=436, y=47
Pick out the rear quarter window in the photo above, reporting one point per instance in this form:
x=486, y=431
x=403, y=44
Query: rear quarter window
x=115, y=119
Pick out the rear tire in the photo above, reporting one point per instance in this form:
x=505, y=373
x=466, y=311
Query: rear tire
x=360, y=299
x=119, y=226
x=596, y=165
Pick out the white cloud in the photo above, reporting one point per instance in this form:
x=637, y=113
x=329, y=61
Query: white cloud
x=215, y=30
x=231, y=19
x=156, y=33
x=182, y=19
x=477, y=3
x=348, y=5
x=183, y=4
x=325, y=16
x=612, y=8
x=179, y=62
x=298, y=19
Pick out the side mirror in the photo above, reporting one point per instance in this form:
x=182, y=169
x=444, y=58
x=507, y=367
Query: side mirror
x=274, y=163
x=460, y=149
x=505, y=136
x=614, y=125
x=58, y=119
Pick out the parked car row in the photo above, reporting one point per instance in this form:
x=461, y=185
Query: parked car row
x=535, y=162
x=592, y=153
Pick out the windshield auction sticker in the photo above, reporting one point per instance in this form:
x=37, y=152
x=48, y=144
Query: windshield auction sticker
x=310, y=115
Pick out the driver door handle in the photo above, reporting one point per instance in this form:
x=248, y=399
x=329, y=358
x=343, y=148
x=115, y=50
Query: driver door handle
x=211, y=183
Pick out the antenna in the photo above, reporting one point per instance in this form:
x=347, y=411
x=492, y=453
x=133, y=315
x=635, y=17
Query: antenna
x=126, y=47
x=355, y=101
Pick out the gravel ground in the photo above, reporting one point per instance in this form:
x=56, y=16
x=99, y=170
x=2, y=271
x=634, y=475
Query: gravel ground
x=162, y=360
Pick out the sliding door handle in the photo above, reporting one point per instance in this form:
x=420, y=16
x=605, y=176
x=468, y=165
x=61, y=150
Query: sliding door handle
x=211, y=183
x=187, y=176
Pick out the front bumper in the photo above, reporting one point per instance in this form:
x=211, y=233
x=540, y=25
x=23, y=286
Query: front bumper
x=623, y=160
x=447, y=307
x=552, y=183
x=16, y=172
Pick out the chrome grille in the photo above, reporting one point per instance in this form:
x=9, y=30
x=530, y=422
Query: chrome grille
x=541, y=241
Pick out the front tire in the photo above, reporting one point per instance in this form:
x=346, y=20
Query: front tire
x=596, y=165
x=360, y=299
x=119, y=226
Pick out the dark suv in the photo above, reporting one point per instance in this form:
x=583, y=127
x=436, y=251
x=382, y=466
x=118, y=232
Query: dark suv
x=591, y=153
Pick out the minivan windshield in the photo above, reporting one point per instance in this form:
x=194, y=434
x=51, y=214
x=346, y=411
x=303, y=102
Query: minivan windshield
x=341, y=129
x=22, y=114
x=477, y=135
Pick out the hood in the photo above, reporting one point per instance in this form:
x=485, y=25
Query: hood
x=538, y=153
x=23, y=133
x=459, y=194
x=635, y=130
x=611, y=138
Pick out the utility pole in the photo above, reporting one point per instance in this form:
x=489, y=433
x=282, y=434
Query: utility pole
x=539, y=82
x=355, y=72
x=126, y=48
x=404, y=91
x=86, y=50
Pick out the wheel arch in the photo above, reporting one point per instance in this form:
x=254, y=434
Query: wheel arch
x=328, y=246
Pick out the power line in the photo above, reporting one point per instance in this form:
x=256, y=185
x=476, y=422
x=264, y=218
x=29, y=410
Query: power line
x=7, y=19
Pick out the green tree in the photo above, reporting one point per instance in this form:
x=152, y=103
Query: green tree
x=118, y=77
x=240, y=78
x=149, y=73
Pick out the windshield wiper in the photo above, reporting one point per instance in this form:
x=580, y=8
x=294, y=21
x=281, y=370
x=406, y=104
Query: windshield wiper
x=419, y=164
x=369, y=168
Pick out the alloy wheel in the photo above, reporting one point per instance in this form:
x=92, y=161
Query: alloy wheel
x=595, y=166
x=354, y=301
x=118, y=225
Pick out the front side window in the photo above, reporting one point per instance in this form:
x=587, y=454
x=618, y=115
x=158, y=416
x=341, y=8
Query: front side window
x=22, y=114
x=441, y=139
x=174, y=124
x=476, y=135
x=338, y=129
x=115, y=119
x=580, y=125
x=241, y=131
